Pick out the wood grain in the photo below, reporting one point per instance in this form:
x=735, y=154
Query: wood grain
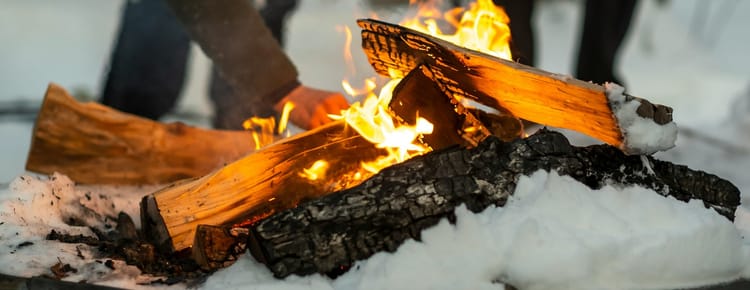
x=95, y=144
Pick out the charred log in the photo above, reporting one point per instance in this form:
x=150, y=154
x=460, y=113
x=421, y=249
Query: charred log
x=329, y=234
x=217, y=247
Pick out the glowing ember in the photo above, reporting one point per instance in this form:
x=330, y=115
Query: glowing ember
x=316, y=171
x=262, y=129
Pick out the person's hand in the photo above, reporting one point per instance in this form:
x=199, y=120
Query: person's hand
x=312, y=106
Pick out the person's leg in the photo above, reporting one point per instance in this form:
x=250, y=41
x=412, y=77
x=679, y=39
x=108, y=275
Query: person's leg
x=230, y=110
x=147, y=66
x=604, y=27
x=521, y=32
x=275, y=13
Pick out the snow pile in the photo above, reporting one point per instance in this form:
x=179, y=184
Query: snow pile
x=33, y=206
x=554, y=233
x=642, y=135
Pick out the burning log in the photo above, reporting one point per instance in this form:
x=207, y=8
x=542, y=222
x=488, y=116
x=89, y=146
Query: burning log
x=91, y=143
x=251, y=187
x=418, y=93
x=269, y=180
x=526, y=92
x=329, y=234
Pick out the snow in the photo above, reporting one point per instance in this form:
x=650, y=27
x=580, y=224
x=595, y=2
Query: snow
x=554, y=232
x=32, y=206
x=642, y=135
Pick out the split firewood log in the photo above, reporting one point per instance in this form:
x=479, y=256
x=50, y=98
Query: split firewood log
x=256, y=185
x=329, y=234
x=418, y=96
x=470, y=125
x=528, y=93
x=92, y=143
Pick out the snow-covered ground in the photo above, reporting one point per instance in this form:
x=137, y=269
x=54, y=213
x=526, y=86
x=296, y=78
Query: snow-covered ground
x=554, y=233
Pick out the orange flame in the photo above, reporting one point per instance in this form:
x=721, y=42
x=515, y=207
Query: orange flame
x=483, y=27
x=262, y=129
x=316, y=171
x=374, y=121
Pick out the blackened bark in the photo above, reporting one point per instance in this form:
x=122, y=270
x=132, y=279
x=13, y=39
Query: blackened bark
x=327, y=235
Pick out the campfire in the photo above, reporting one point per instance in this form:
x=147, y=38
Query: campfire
x=389, y=167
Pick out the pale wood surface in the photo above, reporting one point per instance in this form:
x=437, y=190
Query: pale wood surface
x=256, y=185
x=526, y=92
x=95, y=144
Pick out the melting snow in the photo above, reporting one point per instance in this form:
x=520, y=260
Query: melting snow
x=642, y=135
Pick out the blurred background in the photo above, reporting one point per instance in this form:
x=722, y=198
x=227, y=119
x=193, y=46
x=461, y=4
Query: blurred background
x=688, y=54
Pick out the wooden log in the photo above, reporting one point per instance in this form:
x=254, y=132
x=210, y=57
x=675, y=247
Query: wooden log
x=256, y=185
x=502, y=124
x=217, y=247
x=329, y=234
x=269, y=180
x=527, y=92
x=92, y=143
x=417, y=95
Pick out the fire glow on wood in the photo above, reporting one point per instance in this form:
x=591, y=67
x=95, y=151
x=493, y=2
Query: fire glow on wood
x=483, y=27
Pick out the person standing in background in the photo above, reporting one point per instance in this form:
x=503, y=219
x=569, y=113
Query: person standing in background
x=605, y=25
x=149, y=61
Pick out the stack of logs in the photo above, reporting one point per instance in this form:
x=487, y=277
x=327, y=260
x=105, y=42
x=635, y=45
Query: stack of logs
x=296, y=226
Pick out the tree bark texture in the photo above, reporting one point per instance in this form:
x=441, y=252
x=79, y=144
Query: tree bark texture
x=329, y=234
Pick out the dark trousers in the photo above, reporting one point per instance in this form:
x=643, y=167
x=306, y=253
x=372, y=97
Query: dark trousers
x=522, y=35
x=148, y=63
x=604, y=27
x=147, y=66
